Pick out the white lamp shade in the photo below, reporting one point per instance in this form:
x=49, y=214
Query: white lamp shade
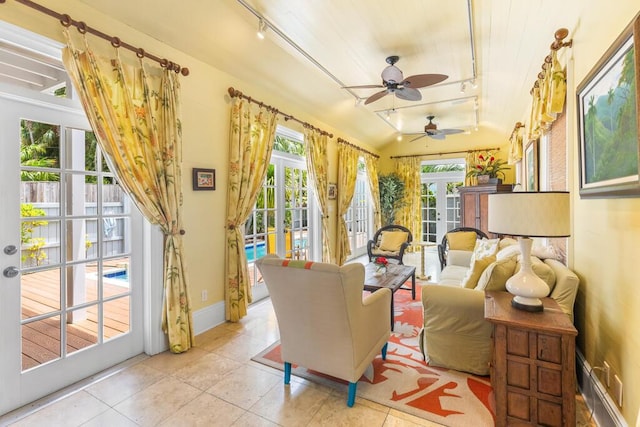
x=531, y=214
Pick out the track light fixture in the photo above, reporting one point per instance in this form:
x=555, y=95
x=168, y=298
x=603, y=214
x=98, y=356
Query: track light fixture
x=463, y=87
x=474, y=84
x=262, y=29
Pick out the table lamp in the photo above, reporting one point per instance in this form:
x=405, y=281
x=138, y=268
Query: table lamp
x=526, y=215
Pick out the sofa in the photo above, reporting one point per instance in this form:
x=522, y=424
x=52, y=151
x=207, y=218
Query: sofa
x=455, y=334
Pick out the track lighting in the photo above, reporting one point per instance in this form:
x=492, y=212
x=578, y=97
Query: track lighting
x=262, y=29
x=474, y=84
x=463, y=87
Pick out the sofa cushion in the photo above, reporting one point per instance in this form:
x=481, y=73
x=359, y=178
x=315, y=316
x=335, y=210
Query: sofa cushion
x=462, y=240
x=452, y=275
x=392, y=240
x=495, y=276
x=485, y=247
x=508, y=252
x=477, y=268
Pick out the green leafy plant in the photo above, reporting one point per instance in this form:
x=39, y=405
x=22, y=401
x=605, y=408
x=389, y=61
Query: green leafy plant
x=32, y=245
x=391, y=196
x=488, y=166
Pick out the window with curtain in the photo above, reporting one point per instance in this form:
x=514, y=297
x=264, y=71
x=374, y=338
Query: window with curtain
x=359, y=216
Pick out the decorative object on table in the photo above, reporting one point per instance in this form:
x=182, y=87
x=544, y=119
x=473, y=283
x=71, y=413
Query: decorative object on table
x=531, y=165
x=488, y=169
x=608, y=126
x=381, y=265
x=529, y=214
x=423, y=245
x=204, y=179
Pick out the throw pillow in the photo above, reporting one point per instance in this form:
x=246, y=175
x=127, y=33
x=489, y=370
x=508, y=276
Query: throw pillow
x=485, y=247
x=508, y=252
x=392, y=240
x=477, y=268
x=495, y=276
x=506, y=241
x=462, y=240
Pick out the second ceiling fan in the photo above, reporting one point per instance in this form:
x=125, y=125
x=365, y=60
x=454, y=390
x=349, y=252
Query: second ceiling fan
x=431, y=130
x=394, y=83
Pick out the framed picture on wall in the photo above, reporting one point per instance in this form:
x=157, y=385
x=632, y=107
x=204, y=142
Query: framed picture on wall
x=531, y=166
x=608, y=125
x=332, y=191
x=204, y=179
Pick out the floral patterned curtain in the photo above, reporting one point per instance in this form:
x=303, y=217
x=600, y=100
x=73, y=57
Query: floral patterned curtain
x=347, y=175
x=317, y=166
x=251, y=138
x=136, y=118
x=408, y=168
x=371, y=162
x=515, y=147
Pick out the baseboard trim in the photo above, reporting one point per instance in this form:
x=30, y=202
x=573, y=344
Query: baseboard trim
x=208, y=317
x=605, y=411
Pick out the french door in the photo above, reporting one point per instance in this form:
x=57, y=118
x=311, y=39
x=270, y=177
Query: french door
x=281, y=222
x=70, y=245
x=359, y=216
x=440, y=208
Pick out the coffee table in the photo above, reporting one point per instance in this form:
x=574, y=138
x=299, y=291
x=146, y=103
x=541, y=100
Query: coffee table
x=393, y=279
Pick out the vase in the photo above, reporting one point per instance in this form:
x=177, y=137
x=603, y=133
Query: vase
x=379, y=272
x=495, y=181
x=483, y=179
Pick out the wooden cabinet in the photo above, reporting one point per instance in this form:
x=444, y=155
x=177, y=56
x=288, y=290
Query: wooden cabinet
x=533, y=363
x=474, y=204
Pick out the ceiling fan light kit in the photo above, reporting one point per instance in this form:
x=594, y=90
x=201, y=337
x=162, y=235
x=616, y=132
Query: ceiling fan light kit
x=393, y=82
x=431, y=130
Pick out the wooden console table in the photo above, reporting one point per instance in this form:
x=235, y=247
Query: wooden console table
x=533, y=363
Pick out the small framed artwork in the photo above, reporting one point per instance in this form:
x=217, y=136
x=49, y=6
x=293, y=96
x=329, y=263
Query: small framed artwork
x=608, y=126
x=332, y=191
x=531, y=165
x=204, y=179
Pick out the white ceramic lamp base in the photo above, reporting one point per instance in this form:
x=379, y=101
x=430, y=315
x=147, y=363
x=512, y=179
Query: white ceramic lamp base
x=527, y=287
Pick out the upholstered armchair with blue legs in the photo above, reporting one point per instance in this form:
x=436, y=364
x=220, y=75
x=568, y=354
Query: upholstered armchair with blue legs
x=325, y=322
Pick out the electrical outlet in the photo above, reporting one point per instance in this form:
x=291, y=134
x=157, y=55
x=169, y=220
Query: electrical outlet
x=617, y=390
x=607, y=374
x=205, y=295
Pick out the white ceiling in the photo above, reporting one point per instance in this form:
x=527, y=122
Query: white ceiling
x=345, y=42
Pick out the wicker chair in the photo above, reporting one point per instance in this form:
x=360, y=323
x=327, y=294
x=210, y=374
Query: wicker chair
x=443, y=247
x=373, y=246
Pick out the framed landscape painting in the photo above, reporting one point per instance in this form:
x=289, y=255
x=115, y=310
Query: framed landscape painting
x=608, y=120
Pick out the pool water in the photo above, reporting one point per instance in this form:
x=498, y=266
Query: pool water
x=122, y=275
x=255, y=251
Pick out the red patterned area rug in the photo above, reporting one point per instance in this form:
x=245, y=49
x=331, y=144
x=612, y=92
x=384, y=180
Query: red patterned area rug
x=405, y=382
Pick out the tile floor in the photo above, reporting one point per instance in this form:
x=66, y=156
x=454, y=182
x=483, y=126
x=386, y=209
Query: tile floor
x=214, y=384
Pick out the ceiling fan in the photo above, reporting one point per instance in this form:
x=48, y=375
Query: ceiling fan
x=431, y=130
x=394, y=82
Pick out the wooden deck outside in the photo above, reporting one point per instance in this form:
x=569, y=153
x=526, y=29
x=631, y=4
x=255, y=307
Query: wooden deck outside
x=41, y=339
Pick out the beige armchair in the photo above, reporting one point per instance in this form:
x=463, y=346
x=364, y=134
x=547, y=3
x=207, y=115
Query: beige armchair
x=325, y=323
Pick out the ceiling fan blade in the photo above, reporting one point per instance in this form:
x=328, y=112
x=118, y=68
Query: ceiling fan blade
x=451, y=131
x=421, y=136
x=376, y=96
x=422, y=80
x=438, y=136
x=362, y=87
x=408, y=94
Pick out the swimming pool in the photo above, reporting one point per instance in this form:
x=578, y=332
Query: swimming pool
x=255, y=251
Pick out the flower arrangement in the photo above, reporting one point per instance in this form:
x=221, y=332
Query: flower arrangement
x=381, y=262
x=488, y=166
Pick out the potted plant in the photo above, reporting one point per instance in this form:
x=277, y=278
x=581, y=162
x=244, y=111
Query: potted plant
x=391, y=189
x=488, y=170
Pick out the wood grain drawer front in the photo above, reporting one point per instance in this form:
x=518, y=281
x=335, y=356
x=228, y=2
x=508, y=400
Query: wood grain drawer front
x=550, y=381
x=518, y=342
x=518, y=406
x=549, y=348
x=518, y=374
x=549, y=413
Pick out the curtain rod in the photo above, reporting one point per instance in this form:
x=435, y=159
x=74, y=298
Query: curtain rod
x=237, y=94
x=448, y=152
x=83, y=28
x=345, y=142
x=557, y=44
